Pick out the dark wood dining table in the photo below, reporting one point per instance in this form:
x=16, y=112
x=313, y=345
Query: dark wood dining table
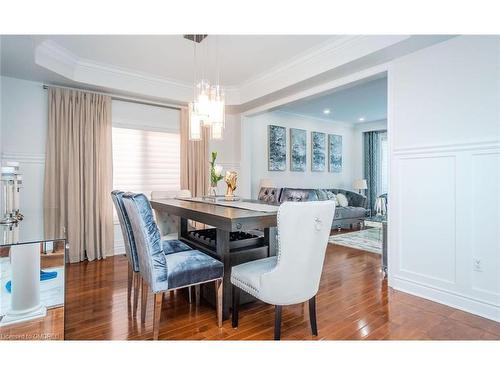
x=226, y=220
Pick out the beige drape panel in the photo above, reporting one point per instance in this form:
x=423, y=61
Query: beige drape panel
x=194, y=159
x=78, y=172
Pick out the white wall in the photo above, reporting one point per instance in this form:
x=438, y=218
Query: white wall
x=23, y=126
x=444, y=204
x=142, y=116
x=357, y=144
x=256, y=131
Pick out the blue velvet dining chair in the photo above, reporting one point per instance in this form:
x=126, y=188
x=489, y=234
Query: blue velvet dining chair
x=134, y=279
x=163, y=272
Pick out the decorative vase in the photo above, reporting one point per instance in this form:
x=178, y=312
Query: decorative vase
x=212, y=190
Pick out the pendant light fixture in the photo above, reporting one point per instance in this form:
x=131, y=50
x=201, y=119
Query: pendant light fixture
x=208, y=105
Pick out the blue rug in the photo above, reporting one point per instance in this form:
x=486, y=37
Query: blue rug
x=44, y=275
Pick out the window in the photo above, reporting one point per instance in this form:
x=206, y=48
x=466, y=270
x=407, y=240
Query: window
x=145, y=160
x=146, y=147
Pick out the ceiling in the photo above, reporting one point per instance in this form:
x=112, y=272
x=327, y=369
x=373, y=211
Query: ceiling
x=364, y=102
x=171, y=57
x=255, y=70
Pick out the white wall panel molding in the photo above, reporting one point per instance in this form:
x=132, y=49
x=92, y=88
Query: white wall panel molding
x=484, y=223
x=443, y=105
x=23, y=157
x=451, y=147
x=426, y=226
x=444, y=219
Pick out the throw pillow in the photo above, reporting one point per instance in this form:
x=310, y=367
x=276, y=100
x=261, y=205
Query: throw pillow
x=330, y=196
x=342, y=200
x=322, y=194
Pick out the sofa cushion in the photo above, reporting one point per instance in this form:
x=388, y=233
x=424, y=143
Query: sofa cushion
x=298, y=195
x=349, y=212
x=269, y=195
x=353, y=198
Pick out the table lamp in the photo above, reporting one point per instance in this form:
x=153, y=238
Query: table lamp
x=360, y=185
x=267, y=182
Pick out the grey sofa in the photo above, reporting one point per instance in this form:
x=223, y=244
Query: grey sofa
x=354, y=213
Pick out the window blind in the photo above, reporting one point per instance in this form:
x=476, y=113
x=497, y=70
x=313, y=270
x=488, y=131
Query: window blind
x=145, y=160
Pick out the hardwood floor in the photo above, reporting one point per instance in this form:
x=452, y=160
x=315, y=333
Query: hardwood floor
x=353, y=303
x=50, y=327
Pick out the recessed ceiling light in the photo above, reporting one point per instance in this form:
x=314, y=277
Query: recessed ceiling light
x=326, y=111
x=361, y=119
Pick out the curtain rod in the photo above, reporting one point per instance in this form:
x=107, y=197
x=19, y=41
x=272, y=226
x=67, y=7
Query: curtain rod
x=121, y=97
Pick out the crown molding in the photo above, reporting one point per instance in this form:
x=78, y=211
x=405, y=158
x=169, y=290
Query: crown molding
x=329, y=55
x=52, y=56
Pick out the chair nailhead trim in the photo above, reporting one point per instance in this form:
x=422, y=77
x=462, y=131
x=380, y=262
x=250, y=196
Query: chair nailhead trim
x=245, y=285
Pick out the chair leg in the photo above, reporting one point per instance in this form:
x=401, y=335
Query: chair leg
x=218, y=301
x=190, y=295
x=156, y=315
x=236, y=305
x=197, y=294
x=312, y=316
x=130, y=280
x=144, y=300
x=137, y=288
x=277, y=322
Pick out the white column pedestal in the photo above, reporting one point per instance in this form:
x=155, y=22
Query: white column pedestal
x=25, y=288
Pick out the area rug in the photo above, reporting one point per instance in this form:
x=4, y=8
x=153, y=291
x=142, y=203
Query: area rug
x=367, y=240
x=51, y=291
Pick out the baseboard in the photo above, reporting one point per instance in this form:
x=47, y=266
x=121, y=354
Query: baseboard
x=444, y=297
x=119, y=250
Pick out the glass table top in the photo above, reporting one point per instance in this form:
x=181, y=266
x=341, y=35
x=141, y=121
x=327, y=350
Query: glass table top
x=28, y=230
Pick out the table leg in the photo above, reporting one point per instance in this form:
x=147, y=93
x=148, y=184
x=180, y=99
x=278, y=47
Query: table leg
x=271, y=240
x=384, y=250
x=183, y=227
x=223, y=252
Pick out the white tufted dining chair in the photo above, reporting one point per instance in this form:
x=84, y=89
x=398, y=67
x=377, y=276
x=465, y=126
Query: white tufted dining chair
x=168, y=224
x=293, y=275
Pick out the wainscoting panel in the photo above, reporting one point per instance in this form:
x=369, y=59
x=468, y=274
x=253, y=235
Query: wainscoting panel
x=444, y=225
x=427, y=214
x=485, y=228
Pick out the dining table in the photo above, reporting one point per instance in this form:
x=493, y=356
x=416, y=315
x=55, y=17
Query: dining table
x=226, y=218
